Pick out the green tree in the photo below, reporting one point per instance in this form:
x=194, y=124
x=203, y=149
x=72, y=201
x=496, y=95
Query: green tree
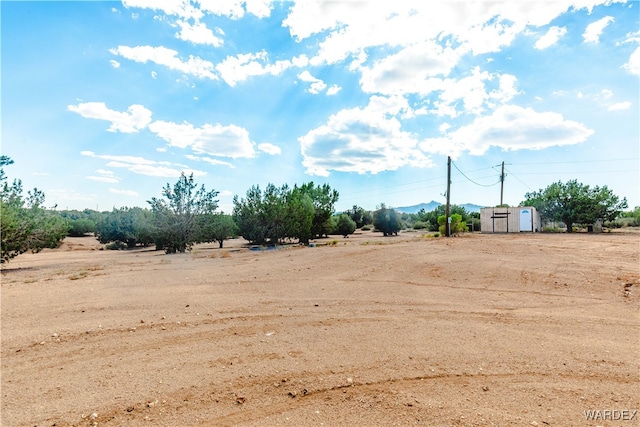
x=387, y=220
x=324, y=200
x=575, y=203
x=273, y=213
x=299, y=214
x=283, y=213
x=81, y=223
x=131, y=226
x=248, y=217
x=361, y=216
x=25, y=225
x=217, y=227
x=345, y=225
x=176, y=215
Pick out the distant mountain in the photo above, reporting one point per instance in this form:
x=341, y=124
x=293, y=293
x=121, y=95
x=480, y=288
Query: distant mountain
x=428, y=207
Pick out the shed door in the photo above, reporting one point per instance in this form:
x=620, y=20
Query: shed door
x=526, y=220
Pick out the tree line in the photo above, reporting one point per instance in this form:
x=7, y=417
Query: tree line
x=187, y=214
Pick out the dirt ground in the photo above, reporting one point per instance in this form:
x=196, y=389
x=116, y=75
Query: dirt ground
x=477, y=330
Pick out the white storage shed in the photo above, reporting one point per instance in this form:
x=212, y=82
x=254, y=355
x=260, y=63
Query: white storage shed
x=510, y=220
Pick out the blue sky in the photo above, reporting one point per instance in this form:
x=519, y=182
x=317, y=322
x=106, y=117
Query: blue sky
x=104, y=103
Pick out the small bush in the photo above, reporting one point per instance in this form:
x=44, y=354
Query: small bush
x=420, y=225
x=622, y=222
x=436, y=235
x=116, y=246
x=366, y=228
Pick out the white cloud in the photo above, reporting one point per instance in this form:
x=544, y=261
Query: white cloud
x=238, y=68
x=259, y=8
x=346, y=29
x=123, y=192
x=104, y=176
x=269, y=148
x=619, y=106
x=631, y=38
x=470, y=90
x=317, y=85
x=594, y=30
x=60, y=196
x=407, y=71
x=550, y=38
x=142, y=166
x=214, y=162
x=234, y=8
x=444, y=127
x=334, y=89
x=229, y=8
x=114, y=63
x=225, y=193
x=217, y=140
x=510, y=127
x=98, y=178
x=633, y=66
x=161, y=55
x=136, y=118
x=197, y=33
x=181, y=8
x=605, y=94
x=362, y=140
x=472, y=94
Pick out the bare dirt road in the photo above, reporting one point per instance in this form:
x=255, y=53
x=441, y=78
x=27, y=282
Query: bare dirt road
x=477, y=330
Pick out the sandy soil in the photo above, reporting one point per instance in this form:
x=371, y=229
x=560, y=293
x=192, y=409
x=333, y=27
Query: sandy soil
x=477, y=330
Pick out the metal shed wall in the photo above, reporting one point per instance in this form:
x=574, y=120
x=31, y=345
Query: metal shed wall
x=506, y=220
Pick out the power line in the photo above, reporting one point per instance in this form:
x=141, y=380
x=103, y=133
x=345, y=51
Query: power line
x=481, y=185
x=516, y=177
x=419, y=187
x=577, y=161
x=577, y=172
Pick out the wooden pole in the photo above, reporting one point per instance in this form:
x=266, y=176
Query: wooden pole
x=447, y=224
x=501, y=184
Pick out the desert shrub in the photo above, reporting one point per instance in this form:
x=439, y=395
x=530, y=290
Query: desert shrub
x=436, y=235
x=366, y=228
x=421, y=225
x=457, y=226
x=622, y=222
x=25, y=224
x=116, y=246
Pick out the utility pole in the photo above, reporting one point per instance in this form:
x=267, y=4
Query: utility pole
x=502, y=183
x=447, y=223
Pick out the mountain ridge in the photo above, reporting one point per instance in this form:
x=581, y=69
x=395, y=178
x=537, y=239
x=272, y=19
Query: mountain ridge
x=428, y=207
